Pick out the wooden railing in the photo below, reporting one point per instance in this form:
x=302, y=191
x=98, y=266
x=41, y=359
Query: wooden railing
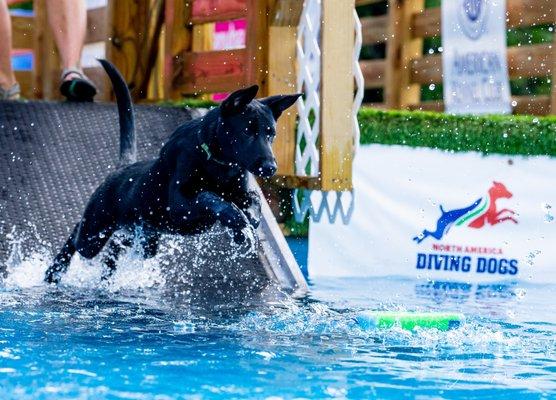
x=184, y=63
x=524, y=61
x=383, y=73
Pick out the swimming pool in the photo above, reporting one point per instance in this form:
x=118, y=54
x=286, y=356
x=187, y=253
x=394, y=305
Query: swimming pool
x=137, y=339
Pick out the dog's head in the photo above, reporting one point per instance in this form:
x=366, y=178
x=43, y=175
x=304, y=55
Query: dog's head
x=247, y=127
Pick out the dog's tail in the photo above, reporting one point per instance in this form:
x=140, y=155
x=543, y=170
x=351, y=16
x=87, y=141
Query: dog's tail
x=128, y=145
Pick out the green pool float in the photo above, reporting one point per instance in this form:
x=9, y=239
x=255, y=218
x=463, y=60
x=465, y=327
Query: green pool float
x=409, y=320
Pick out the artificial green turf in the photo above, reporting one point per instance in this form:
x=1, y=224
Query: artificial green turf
x=495, y=134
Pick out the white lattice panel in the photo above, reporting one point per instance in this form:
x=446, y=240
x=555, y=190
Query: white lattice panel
x=319, y=204
x=308, y=82
x=359, y=80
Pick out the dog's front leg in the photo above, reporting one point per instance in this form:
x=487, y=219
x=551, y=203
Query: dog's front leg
x=250, y=203
x=203, y=208
x=62, y=260
x=228, y=214
x=207, y=208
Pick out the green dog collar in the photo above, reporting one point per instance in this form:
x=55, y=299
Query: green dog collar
x=206, y=149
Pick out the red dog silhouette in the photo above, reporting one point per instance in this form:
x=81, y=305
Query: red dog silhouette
x=493, y=216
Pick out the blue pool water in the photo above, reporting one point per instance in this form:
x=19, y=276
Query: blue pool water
x=140, y=340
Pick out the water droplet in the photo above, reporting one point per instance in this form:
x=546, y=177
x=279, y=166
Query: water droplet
x=548, y=217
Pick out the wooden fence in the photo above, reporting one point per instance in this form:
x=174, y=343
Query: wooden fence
x=405, y=69
x=163, y=51
x=382, y=73
x=188, y=66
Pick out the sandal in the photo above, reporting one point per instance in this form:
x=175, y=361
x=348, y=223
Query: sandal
x=77, y=89
x=11, y=93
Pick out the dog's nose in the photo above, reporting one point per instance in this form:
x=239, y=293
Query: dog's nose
x=267, y=168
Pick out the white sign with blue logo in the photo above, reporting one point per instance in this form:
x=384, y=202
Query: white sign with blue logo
x=475, y=71
x=438, y=215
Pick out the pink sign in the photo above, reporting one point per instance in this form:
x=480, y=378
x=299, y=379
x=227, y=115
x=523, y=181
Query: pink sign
x=228, y=35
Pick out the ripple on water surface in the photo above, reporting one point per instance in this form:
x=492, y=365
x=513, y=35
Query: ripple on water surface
x=140, y=337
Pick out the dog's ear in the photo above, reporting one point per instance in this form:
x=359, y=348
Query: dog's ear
x=238, y=100
x=279, y=103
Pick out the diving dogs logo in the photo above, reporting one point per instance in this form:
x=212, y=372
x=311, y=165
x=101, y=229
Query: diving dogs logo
x=482, y=211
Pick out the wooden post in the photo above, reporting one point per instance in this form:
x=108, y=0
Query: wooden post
x=128, y=37
x=156, y=84
x=282, y=77
x=202, y=37
x=46, y=63
x=392, y=71
x=150, y=48
x=256, y=56
x=411, y=48
x=178, y=41
x=337, y=88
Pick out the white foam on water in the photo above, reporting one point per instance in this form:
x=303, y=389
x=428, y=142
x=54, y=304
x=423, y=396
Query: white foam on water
x=475, y=336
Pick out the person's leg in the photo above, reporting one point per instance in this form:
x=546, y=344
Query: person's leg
x=7, y=77
x=68, y=21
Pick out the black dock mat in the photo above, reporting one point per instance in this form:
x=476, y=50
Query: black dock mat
x=53, y=156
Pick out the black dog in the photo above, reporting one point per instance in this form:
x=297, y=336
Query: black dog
x=199, y=178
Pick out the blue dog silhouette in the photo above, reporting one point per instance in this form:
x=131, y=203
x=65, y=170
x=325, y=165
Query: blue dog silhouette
x=445, y=222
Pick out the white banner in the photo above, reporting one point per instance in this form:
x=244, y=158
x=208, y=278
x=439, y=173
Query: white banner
x=475, y=70
x=438, y=215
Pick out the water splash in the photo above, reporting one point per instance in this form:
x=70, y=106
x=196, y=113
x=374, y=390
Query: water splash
x=30, y=256
x=547, y=211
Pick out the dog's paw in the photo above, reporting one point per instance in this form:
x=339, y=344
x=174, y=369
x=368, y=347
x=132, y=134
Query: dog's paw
x=233, y=218
x=52, y=278
x=239, y=237
x=254, y=220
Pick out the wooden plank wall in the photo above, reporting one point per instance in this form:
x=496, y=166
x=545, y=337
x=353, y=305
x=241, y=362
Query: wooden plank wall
x=535, y=60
